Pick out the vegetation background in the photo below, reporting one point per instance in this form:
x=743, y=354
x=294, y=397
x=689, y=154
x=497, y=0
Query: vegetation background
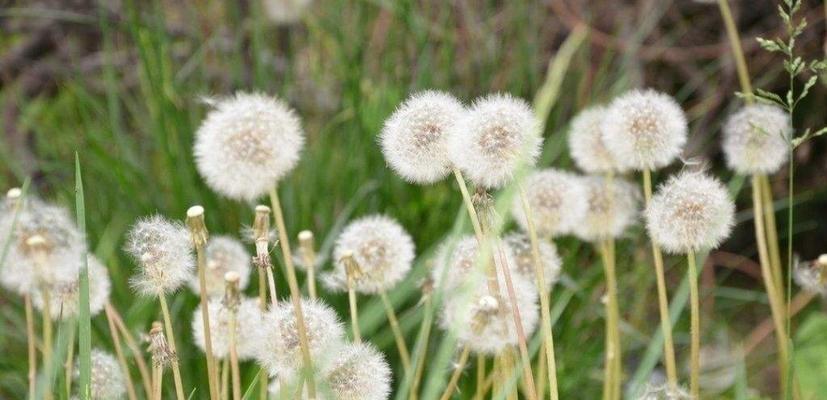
x=122, y=82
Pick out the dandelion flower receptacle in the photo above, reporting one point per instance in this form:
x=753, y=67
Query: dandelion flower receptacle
x=756, y=139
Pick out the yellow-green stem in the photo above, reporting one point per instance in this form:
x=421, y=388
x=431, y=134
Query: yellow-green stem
x=212, y=375
x=480, y=377
x=133, y=347
x=469, y=205
x=663, y=302
x=68, y=367
x=262, y=304
x=695, y=326
x=225, y=380
x=47, y=342
x=30, y=343
x=737, y=51
x=116, y=341
x=176, y=372
x=157, y=381
x=422, y=349
x=401, y=346
x=452, y=383
x=542, y=372
x=772, y=234
x=613, y=351
x=236, y=374
x=354, y=311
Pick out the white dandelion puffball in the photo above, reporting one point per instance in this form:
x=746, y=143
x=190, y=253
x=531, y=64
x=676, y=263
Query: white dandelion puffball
x=278, y=346
x=286, y=12
x=691, y=211
x=357, y=372
x=612, y=208
x=414, y=138
x=523, y=264
x=812, y=275
x=644, y=130
x=246, y=144
x=485, y=323
x=224, y=254
x=586, y=142
x=44, y=236
x=163, y=251
x=459, y=261
x=381, y=247
x=108, y=381
x=756, y=139
x=248, y=318
x=556, y=200
x=664, y=392
x=64, y=295
x=493, y=138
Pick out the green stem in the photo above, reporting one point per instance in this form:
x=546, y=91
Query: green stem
x=695, y=326
x=401, y=346
x=176, y=372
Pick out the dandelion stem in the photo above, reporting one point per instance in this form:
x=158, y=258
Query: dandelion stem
x=225, y=380
x=30, y=343
x=663, y=302
x=157, y=380
x=695, y=326
x=613, y=351
x=308, y=254
x=354, y=311
x=201, y=258
x=116, y=342
x=542, y=372
x=70, y=363
x=295, y=294
x=480, y=376
x=452, y=383
x=401, y=346
x=176, y=372
x=421, y=351
x=234, y=357
x=772, y=233
x=737, y=51
x=271, y=284
x=262, y=303
x=47, y=341
x=133, y=347
x=469, y=205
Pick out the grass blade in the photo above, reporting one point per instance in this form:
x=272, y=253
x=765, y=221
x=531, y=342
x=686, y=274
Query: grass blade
x=84, y=319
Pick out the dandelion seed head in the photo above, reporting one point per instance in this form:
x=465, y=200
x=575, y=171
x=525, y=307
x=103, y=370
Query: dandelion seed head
x=664, y=392
x=246, y=144
x=498, y=134
x=64, y=294
x=555, y=199
x=691, y=211
x=586, y=144
x=108, y=382
x=414, y=138
x=381, y=247
x=756, y=139
x=358, y=372
x=523, y=264
x=224, y=254
x=812, y=275
x=644, y=129
x=163, y=252
x=612, y=206
x=459, y=259
x=248, y=318
x=286, y=12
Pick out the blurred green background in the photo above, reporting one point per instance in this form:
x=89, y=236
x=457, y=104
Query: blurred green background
x=122, y=83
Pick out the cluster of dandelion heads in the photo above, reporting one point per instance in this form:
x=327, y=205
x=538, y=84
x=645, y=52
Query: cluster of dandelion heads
x=381, y=247
x=357, y=372
x=586, y=144
x=691, y=211
x=286, y=12
x=497, y=135
x=555, y=199
x=520, y=246
x=756, y=139
x=64, y=293
x=163, y=251
x=414, y=139
x=459, y=261
x=248, y=317
x=108, y=381
x=644, y=130
x=246, y=144
x=277, y=336
x=485, y=322
x=812, y=275
x=612, y=206
x=664, y=392
x=224, y=254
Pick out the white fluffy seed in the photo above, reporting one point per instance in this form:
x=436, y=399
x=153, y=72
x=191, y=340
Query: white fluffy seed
x=586, y=144
x=613, y=206
x=224, y=254
x=756, y=139
x=555, y=199
x=163, y=251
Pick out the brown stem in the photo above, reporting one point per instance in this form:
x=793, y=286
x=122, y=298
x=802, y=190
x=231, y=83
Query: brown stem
x=30, y=343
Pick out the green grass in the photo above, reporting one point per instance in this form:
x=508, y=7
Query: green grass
x=345, y=69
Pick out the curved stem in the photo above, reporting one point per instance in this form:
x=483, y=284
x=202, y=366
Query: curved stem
x=452, y=383
x=133, y=347
x=401, y=346
x=116, y=341
x=205, y=320
x=695, y=326
x=737, y=51
x=176, y=372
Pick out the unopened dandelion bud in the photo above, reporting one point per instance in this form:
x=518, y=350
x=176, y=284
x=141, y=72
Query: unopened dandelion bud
x=198, y=229
x=261, y=224
x=231, y=297
x=307, y=248
x=822, y=260
x=159, y=348
x=14, y=193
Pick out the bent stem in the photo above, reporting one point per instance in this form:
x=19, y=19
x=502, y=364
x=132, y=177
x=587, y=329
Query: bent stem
x=663, y=302
x=695, y=326
x=176, y=372
x=133, y=347
x=452, y=383
x=30, y=344
x=401, y=346
x=116, y=342
x=295, y=294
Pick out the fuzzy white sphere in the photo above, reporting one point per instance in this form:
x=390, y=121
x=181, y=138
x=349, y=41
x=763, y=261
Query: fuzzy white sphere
x=163, y=251
x=381, y=247
x=520, y=245
x=64, y=295
x=357, y=372
x=414, y=138
x=224, y=254
x=459, y=260
x=756, y=139
x=108, y=381
x=644, y=130
x=556, y=200
x=248, y=318
x=278, y=346
x=586, y=144
x=246, y=144
x=665, y=392
x=286, y=12
x=613, y=206
x=493, y=138
x=691, y=211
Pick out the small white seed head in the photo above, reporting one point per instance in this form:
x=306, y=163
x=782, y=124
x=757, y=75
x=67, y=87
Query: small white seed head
x=224, y=255
x=586, y=144
x=612, y=207
x=248, y=318
x=458, y=261
x=756, y=139
x=64, y=294
x=523, y=264
x=358, y=372
x=108, y=382
x=555, y=199
x=664, y=392
x=286, y=12
x=163, y=251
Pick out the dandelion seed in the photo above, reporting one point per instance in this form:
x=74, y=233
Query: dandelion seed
x=108, y=382
x=286, y=12
x=246, y=144
x=756, y=139
x=64, y=295
x=690, y=212
x=523, y=263
x=358, y=372
x=224, y=254
x=498, y=134
x=248, y=318
x=555, y=199
x=612, y=208
x=382, y=249
x=163, y=251
x=644, y=130
x=812, y=275
x=457, y=260
x=586, y=144
x=414, y=139
x=664, y=392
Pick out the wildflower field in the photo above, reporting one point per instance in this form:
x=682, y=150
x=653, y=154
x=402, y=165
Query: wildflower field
x=331, y=199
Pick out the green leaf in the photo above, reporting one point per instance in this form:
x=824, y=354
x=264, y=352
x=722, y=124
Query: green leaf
x=768, y=45
x=769, y=97
x=810, y=82
x=809, y=360
x=84, y=315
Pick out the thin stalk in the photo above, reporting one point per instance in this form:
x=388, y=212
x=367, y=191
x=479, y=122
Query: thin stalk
x=308, y=254
x=695, y=326
x=262, y=289
x=262, y=304
x=401, y=346
x=176, y=372
x=788, y=373
x=611, y=366
x=772, y=233
x=30, y=343
x=545, y=317
x=236, y=374
x=205, y=319
x=295, y=294
x=422, y=349
x=480, y=376
x=157, y=381
x=133, y=347
x=541, y=374
x=354, y=311
x=452, y=383
x=116, y=341
x=271, y=284
x=225, y=380
x=737, y=51
x=663, y=302
x=69, y=365
x=469, y=205
x=47, y=342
